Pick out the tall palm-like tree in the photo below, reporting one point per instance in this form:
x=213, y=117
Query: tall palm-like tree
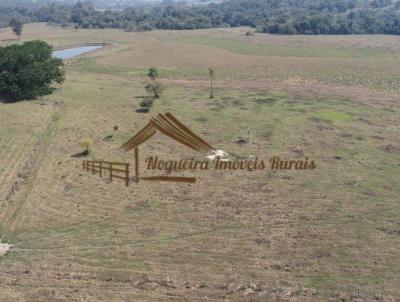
x=211, y=74
x=16, y=26
x=152, y=73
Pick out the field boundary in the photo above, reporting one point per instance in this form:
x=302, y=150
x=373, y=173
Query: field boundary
x=30, y=167
x=101, y=166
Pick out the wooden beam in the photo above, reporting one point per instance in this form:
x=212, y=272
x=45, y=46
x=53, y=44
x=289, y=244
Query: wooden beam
x=170, y=178
x=137, y=163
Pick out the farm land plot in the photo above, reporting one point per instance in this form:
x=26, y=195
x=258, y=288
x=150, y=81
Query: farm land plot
x=329, y=233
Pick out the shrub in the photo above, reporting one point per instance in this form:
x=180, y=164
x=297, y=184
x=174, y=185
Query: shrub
x=88, y=145
x=147, y=102
x=155, y=89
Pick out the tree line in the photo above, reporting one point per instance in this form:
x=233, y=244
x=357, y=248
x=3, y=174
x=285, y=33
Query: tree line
x=270, y=16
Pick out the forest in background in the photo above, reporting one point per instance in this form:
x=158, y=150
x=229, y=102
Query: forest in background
x=309, y=17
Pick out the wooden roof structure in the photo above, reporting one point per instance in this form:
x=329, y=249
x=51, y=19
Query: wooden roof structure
x=171, y=127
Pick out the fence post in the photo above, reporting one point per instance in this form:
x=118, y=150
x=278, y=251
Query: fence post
x=83, y=165
x=93, y=167
x=127, y=175
x=101, y=169
x=110, y=171
x=137, y=164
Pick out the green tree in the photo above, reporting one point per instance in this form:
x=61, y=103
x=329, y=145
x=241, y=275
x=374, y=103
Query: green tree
x=28, y=70
x=211, y=75
x=152, y=73
x=16, y=26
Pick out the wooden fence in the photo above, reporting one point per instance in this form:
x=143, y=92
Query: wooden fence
x=121, y=169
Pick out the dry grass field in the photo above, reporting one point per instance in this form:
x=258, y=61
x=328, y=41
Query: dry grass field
x=329, y=234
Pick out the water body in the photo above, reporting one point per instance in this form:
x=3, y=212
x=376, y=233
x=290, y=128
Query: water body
x=69, y=53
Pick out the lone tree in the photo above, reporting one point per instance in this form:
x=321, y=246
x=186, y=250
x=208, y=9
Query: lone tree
x=152, y=73
x=211, y=75
x=16, y=26
x=155, y=88
x=28, y=71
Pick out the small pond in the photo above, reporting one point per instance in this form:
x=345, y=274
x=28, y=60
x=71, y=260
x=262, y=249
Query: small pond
x=74, y=51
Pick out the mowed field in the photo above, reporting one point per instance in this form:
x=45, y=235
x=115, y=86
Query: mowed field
x=328, y=234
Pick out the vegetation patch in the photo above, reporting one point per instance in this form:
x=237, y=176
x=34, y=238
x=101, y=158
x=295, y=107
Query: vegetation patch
x=266, y=101
x=242, y=46
x=333, y=116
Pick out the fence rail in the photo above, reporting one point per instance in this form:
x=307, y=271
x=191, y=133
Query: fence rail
x=121, y=169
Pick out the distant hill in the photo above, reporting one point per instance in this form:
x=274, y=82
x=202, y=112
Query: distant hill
x=272, y=16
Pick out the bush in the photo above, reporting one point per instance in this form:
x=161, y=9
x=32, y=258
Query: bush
x=88, y=145
x=155, y=89
x=147, y=102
